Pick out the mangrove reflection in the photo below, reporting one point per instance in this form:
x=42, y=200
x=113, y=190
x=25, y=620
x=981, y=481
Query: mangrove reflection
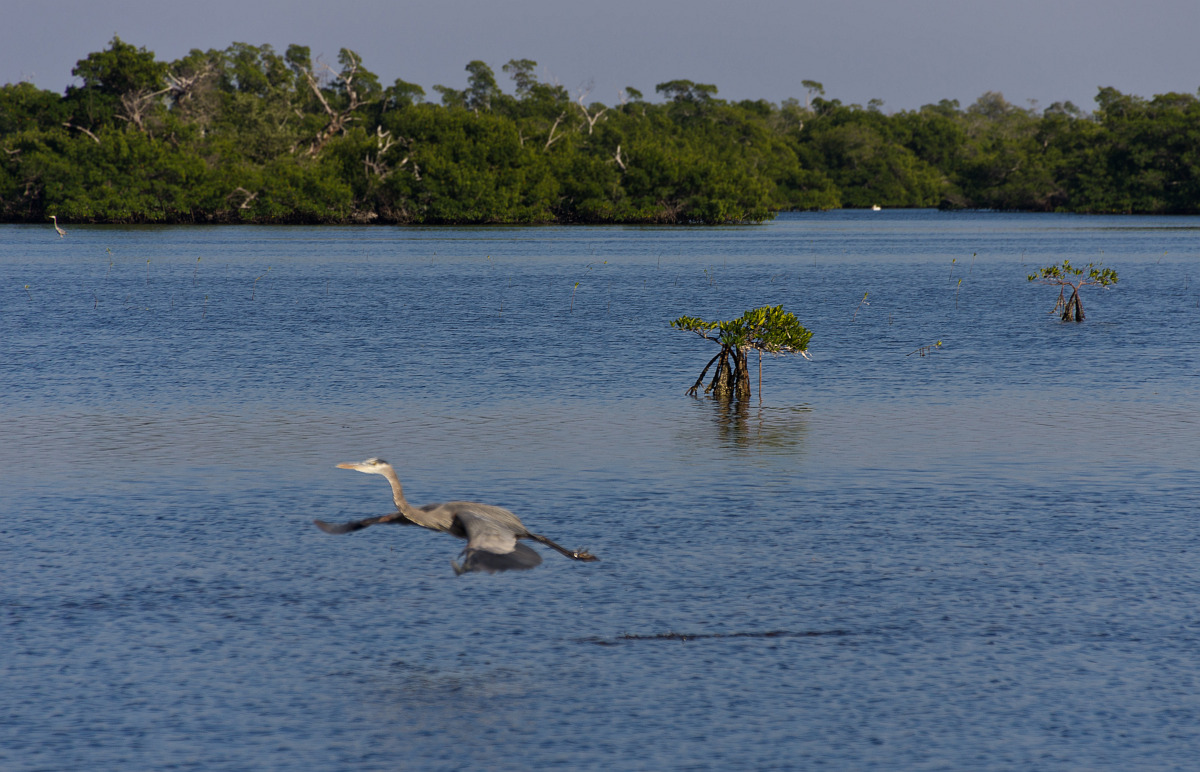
x=742, y=423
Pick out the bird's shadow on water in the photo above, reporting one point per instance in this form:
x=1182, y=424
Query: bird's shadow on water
x=685, y=637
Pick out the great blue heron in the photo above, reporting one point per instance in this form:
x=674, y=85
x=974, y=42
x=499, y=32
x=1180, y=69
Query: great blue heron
x=57, y=229
x=491, y=532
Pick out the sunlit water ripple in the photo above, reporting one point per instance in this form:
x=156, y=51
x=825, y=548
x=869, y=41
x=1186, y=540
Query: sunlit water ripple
x=984, y=557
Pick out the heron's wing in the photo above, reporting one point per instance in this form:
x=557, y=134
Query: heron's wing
x=491, y=546
x=358, y=525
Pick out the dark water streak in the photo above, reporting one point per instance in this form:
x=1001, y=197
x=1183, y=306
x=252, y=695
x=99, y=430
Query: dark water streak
x=981, y=558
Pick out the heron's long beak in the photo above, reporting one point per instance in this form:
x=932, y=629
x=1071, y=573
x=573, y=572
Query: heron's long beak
x=347, y=466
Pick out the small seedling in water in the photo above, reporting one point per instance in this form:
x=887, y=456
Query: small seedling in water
x=27, y=292
x=923, y=350
x=861, y=303
x=956, y=289
x=573, y=296
x=194, y=270
x=147, y=271
x=254, y=287
x=952, y=262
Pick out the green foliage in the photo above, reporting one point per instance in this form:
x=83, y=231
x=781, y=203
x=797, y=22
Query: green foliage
x=868, y=158
x=246, y=134
x=120, y=69
x=24, y=107
x=110, y=78
x=769, y=329
x=1072, y=276
x=481, y=86
x=402, y=94
x=686, y=91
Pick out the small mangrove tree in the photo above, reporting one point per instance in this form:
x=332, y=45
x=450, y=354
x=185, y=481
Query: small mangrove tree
x=1067, y=275
x=768, y=329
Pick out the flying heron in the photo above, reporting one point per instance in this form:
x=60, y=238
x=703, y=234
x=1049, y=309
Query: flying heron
x=491, y=532
x=59, y=230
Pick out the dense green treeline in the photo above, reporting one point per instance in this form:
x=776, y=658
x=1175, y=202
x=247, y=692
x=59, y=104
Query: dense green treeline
x=247, y=134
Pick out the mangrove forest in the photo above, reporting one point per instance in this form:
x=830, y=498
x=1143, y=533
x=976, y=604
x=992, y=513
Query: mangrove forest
x=247, y=134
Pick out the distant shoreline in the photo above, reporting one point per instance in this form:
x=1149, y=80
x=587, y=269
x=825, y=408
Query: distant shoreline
x=246, y=135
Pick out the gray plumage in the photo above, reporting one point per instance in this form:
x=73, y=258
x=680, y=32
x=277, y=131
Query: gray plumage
x=492, y=533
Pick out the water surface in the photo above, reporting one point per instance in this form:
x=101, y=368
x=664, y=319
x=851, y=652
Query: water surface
x=980, y=558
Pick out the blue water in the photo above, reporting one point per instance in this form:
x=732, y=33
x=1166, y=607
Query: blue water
x=982, y=558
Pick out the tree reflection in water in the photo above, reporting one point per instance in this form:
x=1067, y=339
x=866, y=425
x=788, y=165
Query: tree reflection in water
x=774, y=429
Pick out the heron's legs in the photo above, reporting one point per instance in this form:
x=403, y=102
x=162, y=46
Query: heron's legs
x=574, y=555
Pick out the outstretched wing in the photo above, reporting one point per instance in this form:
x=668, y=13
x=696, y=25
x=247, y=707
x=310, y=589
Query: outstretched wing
x=358, y=525
x=491, y=546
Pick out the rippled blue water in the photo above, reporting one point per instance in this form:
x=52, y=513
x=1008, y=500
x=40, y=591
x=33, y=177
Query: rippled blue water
x=986, y=557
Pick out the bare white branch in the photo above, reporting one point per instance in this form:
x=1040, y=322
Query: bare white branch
x=338, y=119
x=70, y=125
x=137, y=104
x=249, y=196
x=552, y=139
x=591, y=119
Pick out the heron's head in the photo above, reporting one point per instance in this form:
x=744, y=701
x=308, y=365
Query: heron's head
x=370, y=466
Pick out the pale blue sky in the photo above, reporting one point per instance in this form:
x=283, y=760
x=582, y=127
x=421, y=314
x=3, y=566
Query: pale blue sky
x=904, y=52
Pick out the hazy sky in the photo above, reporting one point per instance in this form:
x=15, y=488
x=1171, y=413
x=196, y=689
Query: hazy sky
x=904, y=52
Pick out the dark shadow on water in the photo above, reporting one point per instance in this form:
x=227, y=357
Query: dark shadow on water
x=685, y=637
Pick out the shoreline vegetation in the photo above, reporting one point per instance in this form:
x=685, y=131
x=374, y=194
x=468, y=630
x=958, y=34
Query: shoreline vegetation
x=248, y=135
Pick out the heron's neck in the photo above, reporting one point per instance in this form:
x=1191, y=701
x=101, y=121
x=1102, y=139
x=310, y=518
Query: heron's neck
x=397, y=491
